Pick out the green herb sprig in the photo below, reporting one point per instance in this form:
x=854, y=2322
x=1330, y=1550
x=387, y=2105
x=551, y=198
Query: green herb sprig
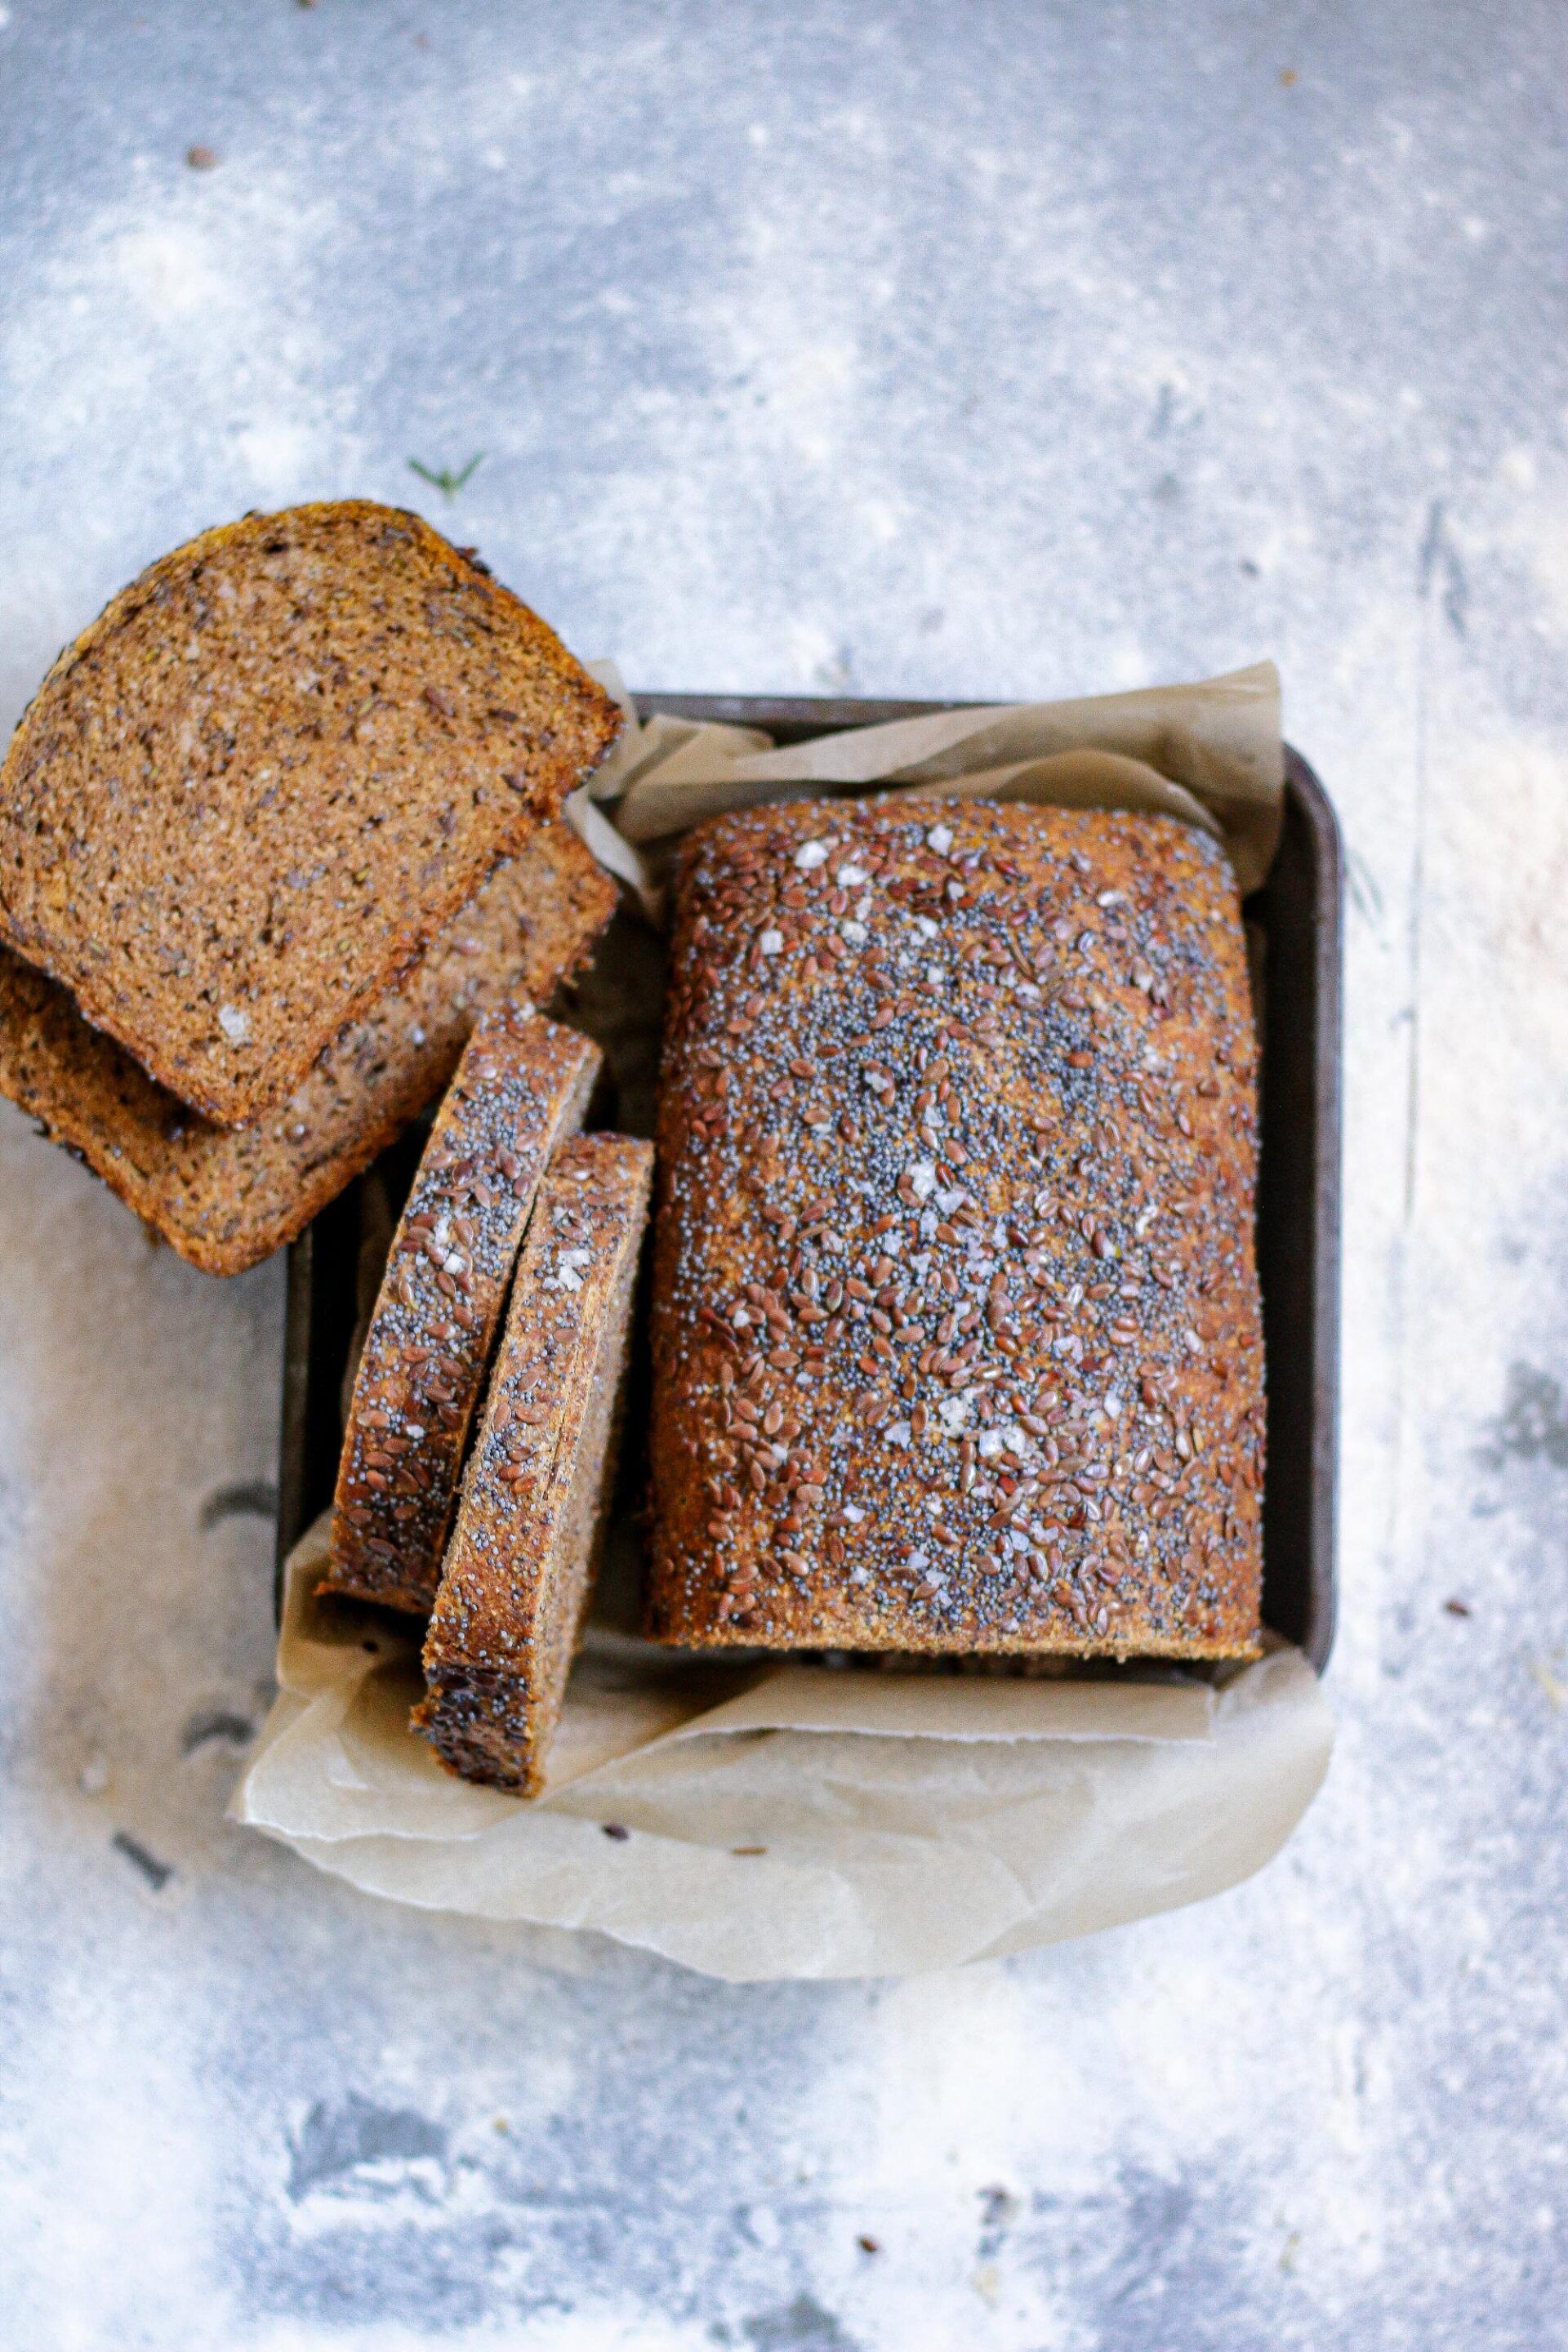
x=443, y=478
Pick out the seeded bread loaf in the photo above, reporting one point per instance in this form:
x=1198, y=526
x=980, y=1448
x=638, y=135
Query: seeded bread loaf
x=955, y=1320
x=248, y=796
x=521, y=1087
x=517, y=1580
x=227, y=1197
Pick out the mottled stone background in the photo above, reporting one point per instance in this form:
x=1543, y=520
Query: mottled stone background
x=866, y=345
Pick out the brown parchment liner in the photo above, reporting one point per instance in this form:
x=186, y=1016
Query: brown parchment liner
x=771, y=1820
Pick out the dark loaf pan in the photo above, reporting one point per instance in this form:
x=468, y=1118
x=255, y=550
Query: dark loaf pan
x=1295, y=918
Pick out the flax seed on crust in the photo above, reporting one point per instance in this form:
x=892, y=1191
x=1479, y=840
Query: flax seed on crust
x=956, y=1331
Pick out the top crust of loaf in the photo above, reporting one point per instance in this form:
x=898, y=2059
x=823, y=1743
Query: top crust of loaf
x=956, y=1332
x=250, y=794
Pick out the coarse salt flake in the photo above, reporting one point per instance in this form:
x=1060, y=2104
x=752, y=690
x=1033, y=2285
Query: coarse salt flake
x=810, y=855
x=235, y=1024
x=771, y=942
x=940, y=838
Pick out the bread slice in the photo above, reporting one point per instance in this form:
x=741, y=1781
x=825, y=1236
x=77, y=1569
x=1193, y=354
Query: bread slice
x=277, y=764
x=521, y=1087
x=519, y=1576
x=227, y=1197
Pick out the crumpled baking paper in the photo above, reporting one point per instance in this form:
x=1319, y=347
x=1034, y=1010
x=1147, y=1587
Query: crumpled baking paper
x=778, y=1820
x=791, y=1821
x=1209, y=753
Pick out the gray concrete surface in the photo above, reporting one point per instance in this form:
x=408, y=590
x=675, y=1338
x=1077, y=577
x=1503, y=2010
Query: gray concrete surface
x=914, y=350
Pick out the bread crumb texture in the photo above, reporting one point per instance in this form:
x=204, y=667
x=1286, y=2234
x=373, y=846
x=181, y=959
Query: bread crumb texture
x=227, y=1197
x=266, y=776
x=956, y=1331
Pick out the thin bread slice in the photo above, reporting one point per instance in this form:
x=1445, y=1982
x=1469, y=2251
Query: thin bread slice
x=249, y=795
x=226, y=1198
x=519, y=1576
x=521, y=1087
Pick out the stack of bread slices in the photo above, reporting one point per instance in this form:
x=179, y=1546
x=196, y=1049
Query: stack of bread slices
x=281, y=859
x=273, y=831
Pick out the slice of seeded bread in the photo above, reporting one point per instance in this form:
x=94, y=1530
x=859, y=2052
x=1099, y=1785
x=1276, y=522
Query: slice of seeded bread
x=517, y=1580
x=521, y=1087
x=248, y=796
x=227, y=1197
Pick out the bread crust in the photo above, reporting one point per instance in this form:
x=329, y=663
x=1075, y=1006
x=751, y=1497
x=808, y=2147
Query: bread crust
x=225, y=1198
x=247, y=798
x=519, y=1575
x=956, y=1333
x=521, y=1088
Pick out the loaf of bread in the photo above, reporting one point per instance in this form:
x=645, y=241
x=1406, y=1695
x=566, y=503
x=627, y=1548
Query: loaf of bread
x=227, y=1197
x=956, y=1331
x=521, y=1087
x=245, y=800
x=517, y=1578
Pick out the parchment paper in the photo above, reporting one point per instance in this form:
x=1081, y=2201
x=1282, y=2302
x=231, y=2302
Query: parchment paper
x=1209, y=753
x=791, y=1820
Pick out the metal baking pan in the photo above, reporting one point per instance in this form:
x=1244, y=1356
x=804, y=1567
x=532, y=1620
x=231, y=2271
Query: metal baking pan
x=1295, y=923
